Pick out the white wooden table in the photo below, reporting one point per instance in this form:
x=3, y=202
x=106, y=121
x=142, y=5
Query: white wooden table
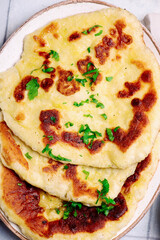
x=14, y=13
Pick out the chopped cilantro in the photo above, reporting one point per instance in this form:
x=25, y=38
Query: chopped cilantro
x=28, y=156
x=49, y=137
x=19, y=184
x=115, y=129
x=87, y=92
x=70, y=207
x=99, y=33
x=89, y=64
x=53, y=119
x=82, y=81
x=85, y=32
x=48, y=150
x=81, y=103
x=66, y=167
x=100, y=105
x=104, y=116
x=36, y=69
x=47, y=70
x=80, y=155
x=69, y=78
x=57, y=211
x=71, y=64
x=86, y=173
x=108, y=79
x=87, y=115
x=88, y=133
x=90, y=29
x=68, y=124
x=89, y=74
x=32, y=87
x=89, y=49
x=104, y=208
x=64, y=102
x=110, y=134
x=54, y=55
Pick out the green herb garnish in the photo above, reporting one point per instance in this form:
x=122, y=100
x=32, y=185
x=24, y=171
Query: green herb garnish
x=49, y=137
x=28, y=156
x=115, y=129
x=81, y=103
x=19, y=184
x=87, y=115
x=48, y=70
x=66, y=167
x=90, y=29
x=70, y=207
x=69, y=78
x=88, y=133
x=54, y=55
x=57, y=211
x=99, y=33
x=82, y=81
x=32, y=87
x=89, y=49
x=86, y=173
x=68, y=124
x=110, y=134
x=104, y=208
x=104, y=116
x=92, y=74
x=36, y=69
x=48, y=150
x=100, y=105
x=53, y=119
x=108, y=79
x=64, y=102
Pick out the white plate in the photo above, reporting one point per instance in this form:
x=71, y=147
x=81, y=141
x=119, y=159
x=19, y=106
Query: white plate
x=11, y=52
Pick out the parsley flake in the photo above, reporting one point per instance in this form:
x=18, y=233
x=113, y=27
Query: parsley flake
x=70, y=207
x=54, y=55
x=115, y=129
x=86, y=173
x=90, y=29
x=57, y=211
x=100, y=105
x=19, y=184
x=110, y=134
x=104, y=116
x=68, y=124
x=88, y=133
x=49, y=137
x=81, y=103
x=28, y=156
x=89, y=49
x=32, y=87
x=82, y=81
x=53, y=119
x=48, y=70
x=87, y=115
x=69, y=78
x=48, y=150
x=99, y=33
x=36, y=69
x=108, y=79
x=66, y=167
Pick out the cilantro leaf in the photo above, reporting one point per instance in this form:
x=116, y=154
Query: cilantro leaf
x=66, y=167
x=104, y=116
x=104, y=191
x=110, y=134
x=99, y=33
x=89, y=49
x=49, y=137
x=48, y=70
x=48, y=150
x=53, y=119
x=87, y=115
x=57, y=211
x=86, y=173
x=28, y=156
x=82, y=81
x=69, y=78
x=108, y=79
x=88, y=133
x=54, y=55
x=68, y=124
x=115, y=129
x=32, y=87
x=81, y=103
x=70, y=207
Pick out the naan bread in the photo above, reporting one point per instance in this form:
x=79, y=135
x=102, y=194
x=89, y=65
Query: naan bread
x=123, y=86
x=34, y=211
x=77, y=183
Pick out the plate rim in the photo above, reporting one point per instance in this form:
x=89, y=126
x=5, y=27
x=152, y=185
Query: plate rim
x=3, y=217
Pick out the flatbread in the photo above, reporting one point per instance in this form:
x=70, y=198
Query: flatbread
x=76, y=183
x=124, y=87
x=35, y=213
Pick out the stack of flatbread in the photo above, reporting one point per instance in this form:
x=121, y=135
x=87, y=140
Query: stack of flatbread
x=79, y=127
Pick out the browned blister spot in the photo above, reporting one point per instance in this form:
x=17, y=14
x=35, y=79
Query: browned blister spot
x=138, y=64
x=82, y=67
x=113, y=32
x=40, y=40
x=96, y=146
x=73, y=139
x=20, y=116
x=52, y=168
x=47, y=83
x=134, y=177
x=51, y=28
x=21, y=87
x=122, y=39
x=89, y=30
x=79, y=187
x=44, y=54
x=131, y=89
x=24, y=201
x=11, y=152
x=103, y=49
x=74, y=36
x=48, y=126
x=64, y=86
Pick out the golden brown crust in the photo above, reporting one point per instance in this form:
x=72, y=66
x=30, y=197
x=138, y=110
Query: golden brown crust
x=10, y=150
